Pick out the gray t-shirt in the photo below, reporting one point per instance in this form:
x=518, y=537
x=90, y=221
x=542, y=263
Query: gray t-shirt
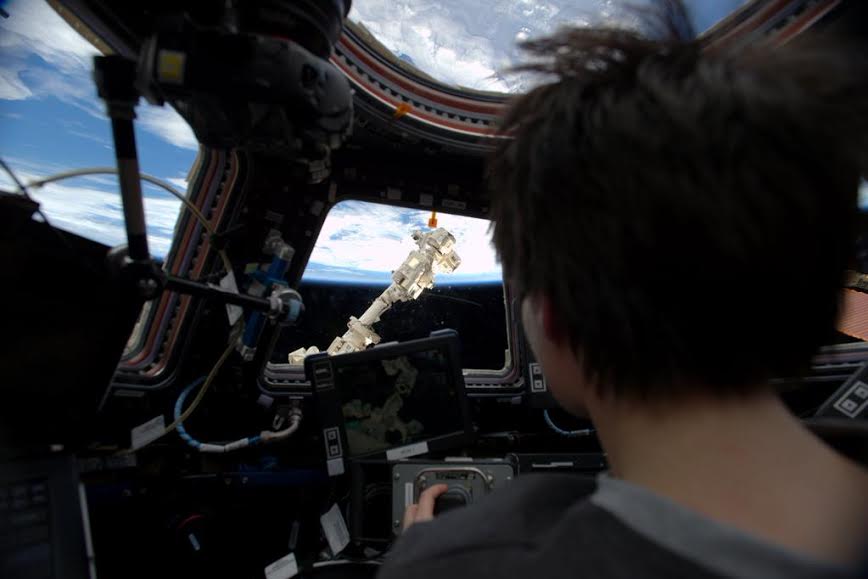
x=546, y=527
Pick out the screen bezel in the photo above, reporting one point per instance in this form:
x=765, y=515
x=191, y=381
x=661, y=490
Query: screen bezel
x=443, y=340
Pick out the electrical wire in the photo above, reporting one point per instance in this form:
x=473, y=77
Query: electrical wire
x=568, y=433
x=200, y=446
x=205, y=387
x=145, y=177
x=264, y=437
x=57, y=232
x=23, y=189
x=208, y=381
x=15, y=178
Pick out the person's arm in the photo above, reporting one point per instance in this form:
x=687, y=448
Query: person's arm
x=424, y=510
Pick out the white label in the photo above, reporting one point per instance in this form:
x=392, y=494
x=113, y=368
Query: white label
x=283, y=568
x=408, y=494
x=335, y=530
x=335, y=466
x=453, y=204
x=233, y=312
x=146, y=433
x=407, y=451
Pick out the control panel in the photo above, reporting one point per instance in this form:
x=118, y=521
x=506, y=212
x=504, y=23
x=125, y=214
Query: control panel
x=468, y=482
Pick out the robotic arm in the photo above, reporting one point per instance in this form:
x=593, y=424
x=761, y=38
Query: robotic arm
x=435, y=254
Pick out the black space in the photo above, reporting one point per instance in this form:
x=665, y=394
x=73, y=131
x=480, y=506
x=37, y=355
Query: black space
x=476, y=312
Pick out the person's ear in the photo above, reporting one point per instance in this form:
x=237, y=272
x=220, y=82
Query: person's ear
x=549, y=320
x=539, y=311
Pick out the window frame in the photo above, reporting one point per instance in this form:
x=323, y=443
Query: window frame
x=281, y=379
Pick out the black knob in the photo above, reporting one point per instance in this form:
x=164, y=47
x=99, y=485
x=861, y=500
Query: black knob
x=454, y=498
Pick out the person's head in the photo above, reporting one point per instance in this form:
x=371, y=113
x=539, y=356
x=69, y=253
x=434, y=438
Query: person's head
x=674, y=218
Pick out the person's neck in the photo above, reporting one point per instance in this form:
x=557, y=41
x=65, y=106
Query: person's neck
x=746, y=462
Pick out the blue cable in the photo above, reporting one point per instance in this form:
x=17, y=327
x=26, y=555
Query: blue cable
x=567, y=433
x=179, y=405
x=182, y=432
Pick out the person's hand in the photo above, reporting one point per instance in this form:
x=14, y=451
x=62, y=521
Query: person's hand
x=424, y=511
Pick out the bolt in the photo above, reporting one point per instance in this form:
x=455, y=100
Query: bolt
x=397, y=476
x=396, y=523
x=147, y=286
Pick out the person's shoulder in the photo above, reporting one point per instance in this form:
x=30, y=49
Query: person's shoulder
x=512, y=520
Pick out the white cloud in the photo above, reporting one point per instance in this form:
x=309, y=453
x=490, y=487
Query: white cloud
x=92, y=212
x=12, y=88
x=376, y=238
x=168, y=124
x=33, y=27
x=457, y=44
x=437, y=44
x=37, y=168
x=76, y=90
x=90, y=137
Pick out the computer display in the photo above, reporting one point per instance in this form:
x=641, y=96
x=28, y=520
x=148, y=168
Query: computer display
x=400, y=399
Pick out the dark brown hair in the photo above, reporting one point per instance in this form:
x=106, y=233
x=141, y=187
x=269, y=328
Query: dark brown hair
x=689, y=212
